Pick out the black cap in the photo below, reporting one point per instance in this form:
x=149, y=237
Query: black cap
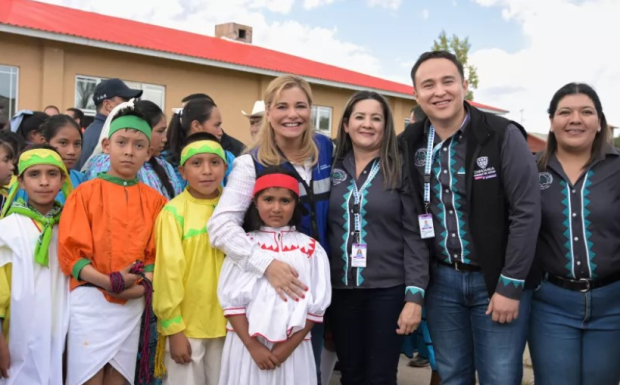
x=110, y=88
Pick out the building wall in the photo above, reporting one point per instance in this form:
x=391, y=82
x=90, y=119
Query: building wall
x=47, y=72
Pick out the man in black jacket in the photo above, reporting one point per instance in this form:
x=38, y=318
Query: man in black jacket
x=478, y=182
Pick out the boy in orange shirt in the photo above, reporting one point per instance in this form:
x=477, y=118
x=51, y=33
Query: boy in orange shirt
x=106, y=226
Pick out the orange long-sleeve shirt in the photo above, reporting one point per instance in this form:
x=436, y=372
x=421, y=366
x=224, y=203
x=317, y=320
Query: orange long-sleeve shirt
x=108, y=223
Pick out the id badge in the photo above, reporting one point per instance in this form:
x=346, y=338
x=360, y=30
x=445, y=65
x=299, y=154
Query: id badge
x=358, y=255
x=426, y=226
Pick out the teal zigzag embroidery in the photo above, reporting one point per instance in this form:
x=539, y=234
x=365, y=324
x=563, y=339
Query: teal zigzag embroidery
x=363, y=202
x=347, y=231
x=457, y=204
x=587, y=223
x=568, y=231
x=517, y=283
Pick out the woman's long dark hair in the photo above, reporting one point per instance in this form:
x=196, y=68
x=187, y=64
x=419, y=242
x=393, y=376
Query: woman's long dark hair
x=602, y=137
x=195, y=110
x=152, y=114
x=252, y=220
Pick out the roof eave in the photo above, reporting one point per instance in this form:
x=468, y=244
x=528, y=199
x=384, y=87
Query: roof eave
x=177, y=57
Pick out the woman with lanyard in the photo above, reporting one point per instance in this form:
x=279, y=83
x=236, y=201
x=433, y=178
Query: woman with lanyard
x=287, y=138
x=379, y=263
x=575, y=317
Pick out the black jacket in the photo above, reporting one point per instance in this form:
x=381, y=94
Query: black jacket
x=488, y=214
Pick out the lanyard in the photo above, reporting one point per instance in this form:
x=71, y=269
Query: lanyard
x=429, y=162
x=358, y=195
x=427, y=168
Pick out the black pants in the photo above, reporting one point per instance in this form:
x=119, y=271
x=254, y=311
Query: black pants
x=364, y=323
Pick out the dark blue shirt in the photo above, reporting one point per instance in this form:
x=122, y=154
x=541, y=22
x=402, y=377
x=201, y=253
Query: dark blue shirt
x=91, y=139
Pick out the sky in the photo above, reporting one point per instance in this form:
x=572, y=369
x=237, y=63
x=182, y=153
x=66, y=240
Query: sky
x=524, y=50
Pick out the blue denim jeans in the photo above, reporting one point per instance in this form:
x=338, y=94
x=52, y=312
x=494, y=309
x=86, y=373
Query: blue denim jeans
x=465, y=339
x=575, y=337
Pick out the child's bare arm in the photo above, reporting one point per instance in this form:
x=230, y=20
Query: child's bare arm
x=259, y=352
x=5, y=357
x=91, y=275
x=283, y=350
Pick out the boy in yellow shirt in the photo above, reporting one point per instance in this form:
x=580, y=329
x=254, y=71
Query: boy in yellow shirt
x=187, y=269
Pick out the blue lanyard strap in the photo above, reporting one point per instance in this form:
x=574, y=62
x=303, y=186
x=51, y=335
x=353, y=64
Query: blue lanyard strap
x=358, y=195
x=427, y=168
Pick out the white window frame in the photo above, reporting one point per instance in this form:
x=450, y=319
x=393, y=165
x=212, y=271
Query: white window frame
x=12, y=68
x=316, y=112
x=130, y=84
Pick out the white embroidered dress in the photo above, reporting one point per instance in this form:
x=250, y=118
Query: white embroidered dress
x=271, y=319
x=39, y=305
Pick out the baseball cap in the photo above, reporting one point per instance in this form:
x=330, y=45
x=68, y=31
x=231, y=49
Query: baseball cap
x=110, y=88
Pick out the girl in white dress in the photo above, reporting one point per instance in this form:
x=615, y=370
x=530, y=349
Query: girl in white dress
x=268, y=341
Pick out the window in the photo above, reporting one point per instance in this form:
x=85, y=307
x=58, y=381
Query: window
x=322, y=119
x=242, y=34
x=85, y=89
x=8, y=93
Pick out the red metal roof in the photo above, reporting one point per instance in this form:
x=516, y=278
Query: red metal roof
x=73, y=22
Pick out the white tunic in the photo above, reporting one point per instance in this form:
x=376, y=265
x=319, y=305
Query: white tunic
x=271, y=319
x=39, y=305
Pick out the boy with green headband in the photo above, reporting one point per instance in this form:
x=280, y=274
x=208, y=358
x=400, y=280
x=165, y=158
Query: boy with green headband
x=34, y=293
x=105, y=235
x=187, y=269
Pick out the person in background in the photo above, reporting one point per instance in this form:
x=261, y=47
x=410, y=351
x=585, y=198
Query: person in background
x=461, y=160
x=230, y=144
x=27, y=124
x=7, y=166
x=108, y=94
x=64, y=135
x=198, y=115
x=77, y=115
x=156, y=172
x=51, y=110
x=575, y=325
x=255, y=117
x=3, y=119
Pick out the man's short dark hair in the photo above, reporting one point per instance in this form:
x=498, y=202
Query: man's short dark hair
x=196, y=96
x=436, y=55
x=418, y=114
x=78, y=114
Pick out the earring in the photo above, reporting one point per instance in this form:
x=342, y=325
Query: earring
x=599, y=130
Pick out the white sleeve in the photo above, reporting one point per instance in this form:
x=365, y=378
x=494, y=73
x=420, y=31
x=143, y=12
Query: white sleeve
x=235, y=288
x=320, y=285
x=225, y=226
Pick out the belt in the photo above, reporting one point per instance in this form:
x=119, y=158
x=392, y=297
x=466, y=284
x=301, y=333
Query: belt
x=583, y=285
x=460, y=266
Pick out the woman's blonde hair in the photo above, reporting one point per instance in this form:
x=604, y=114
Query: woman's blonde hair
x=268, y=153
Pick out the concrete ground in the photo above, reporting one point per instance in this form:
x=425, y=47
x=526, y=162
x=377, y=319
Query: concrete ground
x=422, y=376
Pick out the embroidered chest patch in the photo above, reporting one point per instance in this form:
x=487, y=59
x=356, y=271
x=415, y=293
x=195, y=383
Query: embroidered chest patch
x=338, y=176
x=545, y=179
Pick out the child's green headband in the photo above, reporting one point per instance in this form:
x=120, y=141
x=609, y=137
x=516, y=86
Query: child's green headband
x=132, y=122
